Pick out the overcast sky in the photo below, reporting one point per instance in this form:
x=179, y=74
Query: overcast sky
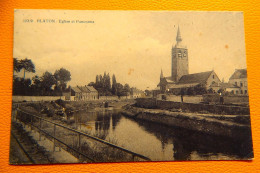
x=133, y=45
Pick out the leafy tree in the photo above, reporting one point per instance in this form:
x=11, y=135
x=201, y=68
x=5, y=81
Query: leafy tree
x=47, y=81
x=120, y=89
x=114, y=89
x=126, y=89
x=17, y=65
x=36, y=86
x=62, y=76
x=21, y=86
x=27, y=65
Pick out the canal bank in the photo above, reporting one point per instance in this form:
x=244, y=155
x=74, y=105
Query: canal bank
x=233, y=126
x=154, y=140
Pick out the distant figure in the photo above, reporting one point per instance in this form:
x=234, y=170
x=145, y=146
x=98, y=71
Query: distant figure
x=221, y=99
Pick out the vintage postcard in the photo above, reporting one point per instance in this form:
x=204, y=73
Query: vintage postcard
x=123, y=86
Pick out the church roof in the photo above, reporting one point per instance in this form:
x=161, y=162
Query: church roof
x=195, y=78
x=169, y=79
x=239, y=73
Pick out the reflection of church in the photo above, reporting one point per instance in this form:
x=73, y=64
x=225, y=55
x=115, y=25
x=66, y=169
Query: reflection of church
x=180, y=77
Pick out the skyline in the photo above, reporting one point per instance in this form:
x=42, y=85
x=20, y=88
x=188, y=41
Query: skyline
x=135, y=45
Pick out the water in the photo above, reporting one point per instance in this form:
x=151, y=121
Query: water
x=156, y=141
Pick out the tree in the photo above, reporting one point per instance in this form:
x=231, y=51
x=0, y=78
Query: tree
x=36, y=86
x=27, y=65
x=120, y=89
x=17, y=65
x=47, y=81
x=114, y=89
x=62, y=76
x=22, y=87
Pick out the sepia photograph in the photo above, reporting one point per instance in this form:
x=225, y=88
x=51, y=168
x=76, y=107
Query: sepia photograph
x=126, y=86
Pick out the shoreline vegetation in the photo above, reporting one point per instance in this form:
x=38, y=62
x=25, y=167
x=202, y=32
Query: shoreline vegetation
x=94, y=149
x=235, y=127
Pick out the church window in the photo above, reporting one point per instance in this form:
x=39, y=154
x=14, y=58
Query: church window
x=184, y=55
x=179, y=55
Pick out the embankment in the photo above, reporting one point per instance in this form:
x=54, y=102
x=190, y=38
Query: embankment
x=193, y=107
x=193, y=121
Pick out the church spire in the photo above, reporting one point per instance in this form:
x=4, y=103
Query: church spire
x=178, y=37
x=161, y=76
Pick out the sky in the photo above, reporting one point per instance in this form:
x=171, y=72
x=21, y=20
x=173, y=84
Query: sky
x=133, y=45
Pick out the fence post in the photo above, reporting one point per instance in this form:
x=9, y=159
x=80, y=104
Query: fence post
x=24, y=120
x=16, y=113
x=31, y=121
x=40, y=129
x=79, y=144
x=54, y=132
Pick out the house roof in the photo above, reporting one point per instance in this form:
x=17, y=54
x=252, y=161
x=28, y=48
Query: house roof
x=76, y=89
x=224, y=85
x=195, y=78
x=83, y=89
x=239, y=73
x=91, y=88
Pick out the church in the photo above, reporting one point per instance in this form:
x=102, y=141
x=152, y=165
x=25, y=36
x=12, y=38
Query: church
x=180, y=79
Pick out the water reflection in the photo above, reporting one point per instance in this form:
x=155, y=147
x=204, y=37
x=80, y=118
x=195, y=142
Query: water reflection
x=159, y=142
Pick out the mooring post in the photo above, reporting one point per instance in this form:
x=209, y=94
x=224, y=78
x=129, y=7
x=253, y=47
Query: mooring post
x=54, y=132
x=133, y=157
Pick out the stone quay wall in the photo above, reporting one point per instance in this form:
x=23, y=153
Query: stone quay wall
x=192, y=107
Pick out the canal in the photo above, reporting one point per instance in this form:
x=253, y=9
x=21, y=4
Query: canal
x=156, y=141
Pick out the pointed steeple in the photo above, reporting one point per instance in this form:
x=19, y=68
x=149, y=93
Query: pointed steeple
x=161, y=76
x=178, y=37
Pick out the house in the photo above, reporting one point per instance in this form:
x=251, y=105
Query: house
x=81, y=93
x=136, y=93
x=239, y=79
x=226, y=87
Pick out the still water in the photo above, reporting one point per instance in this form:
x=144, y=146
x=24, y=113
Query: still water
x=156, y=141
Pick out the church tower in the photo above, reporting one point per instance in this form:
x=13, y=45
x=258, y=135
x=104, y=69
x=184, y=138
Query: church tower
x=180, y=61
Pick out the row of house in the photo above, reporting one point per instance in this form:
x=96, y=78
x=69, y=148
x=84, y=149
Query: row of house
x=81, y=93
x=237, y=83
